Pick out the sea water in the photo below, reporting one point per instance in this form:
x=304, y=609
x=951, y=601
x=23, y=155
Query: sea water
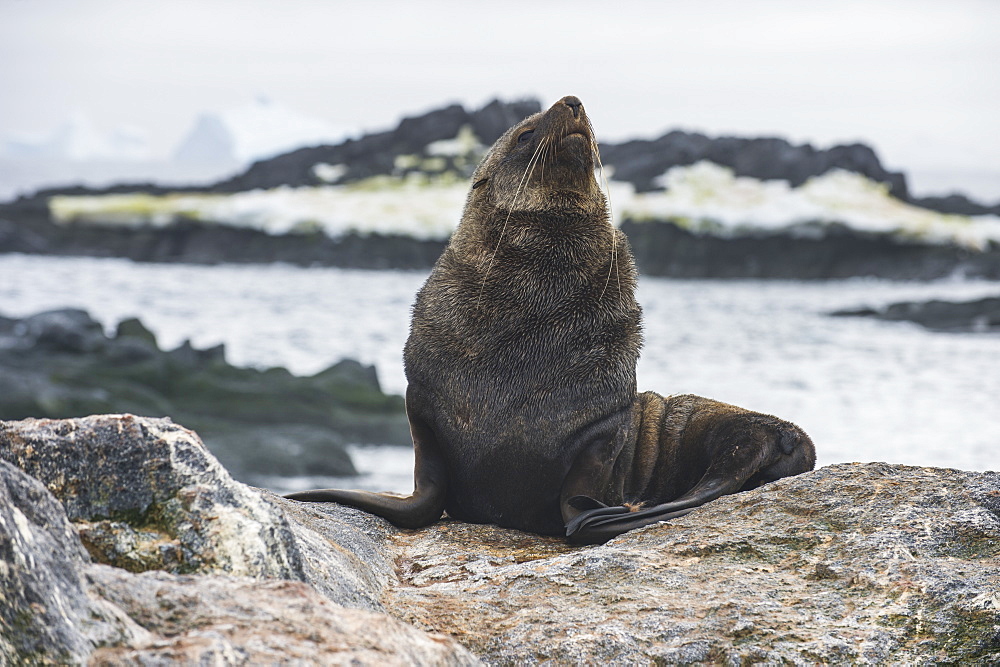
x=864, y=390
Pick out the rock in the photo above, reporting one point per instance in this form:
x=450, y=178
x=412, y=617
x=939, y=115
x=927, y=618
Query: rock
x=147, y=497
x=145, y=494
x=663, y=248
x=61, y=364
x=642, y=161
x=957, y=204
x=66, y=330
x=225, y=620
x=852, y=563
x=47, y=615
x=375, y=154
x=978, y=316
x=132, y=327
x=195, y=243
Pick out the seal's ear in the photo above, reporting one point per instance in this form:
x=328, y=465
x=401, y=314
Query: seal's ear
x=481, y=181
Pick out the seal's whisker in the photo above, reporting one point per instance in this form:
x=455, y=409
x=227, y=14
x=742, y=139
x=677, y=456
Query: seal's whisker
x=544, y=160
x=611, y=216
x=528, y=170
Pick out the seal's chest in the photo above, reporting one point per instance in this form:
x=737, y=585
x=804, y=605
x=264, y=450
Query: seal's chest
x=511, y=490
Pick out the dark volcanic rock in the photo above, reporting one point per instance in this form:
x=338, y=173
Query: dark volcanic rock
x=197, y=243
x=852, y=563
x=641, y=161
x=978, y=316
x=955, y=203
x=258, y=422
x=375, y=154
x=666, y=249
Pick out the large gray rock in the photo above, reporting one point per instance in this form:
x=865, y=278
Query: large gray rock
x=47, y=614
x=145, y=494
x=863, y=563
x=214, y=620
x=853, y=563
x=207, y=570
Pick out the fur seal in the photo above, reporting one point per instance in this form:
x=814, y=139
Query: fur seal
x=521, y=363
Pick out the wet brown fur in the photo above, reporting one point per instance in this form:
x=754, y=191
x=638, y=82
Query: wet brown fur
x=521, y=366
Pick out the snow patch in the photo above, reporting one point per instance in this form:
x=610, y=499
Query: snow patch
x=465, y=143
x=388, y=206
x=703, y=197
x=329, y=173
x=708, y=197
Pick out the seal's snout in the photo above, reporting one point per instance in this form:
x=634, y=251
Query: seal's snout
x=574, y=103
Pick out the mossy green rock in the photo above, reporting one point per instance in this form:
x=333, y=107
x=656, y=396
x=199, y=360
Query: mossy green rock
x=60, y=364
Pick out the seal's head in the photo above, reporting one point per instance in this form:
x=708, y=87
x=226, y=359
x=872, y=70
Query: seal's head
x=546, y=161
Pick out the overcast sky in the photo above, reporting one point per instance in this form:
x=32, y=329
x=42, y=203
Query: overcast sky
x=918, y=80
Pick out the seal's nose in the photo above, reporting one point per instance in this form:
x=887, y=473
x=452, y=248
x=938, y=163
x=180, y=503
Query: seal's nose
x=574, y=103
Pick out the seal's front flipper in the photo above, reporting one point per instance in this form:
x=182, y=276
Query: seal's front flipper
x=421, y=508
x=413, y=511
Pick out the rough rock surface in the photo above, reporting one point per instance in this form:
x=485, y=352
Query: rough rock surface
x=853, y=563
x=46, y=611
x=226, y=620
x=61, y=363
x=863, y=563
x=978, y=316
x=145, y=494
x=205, y=569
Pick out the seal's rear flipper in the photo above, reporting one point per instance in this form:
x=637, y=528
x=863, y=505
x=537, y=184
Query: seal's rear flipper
x=598, y=523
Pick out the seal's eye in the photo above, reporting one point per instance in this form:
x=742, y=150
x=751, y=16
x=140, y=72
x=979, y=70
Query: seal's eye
x=524, y=136
x=481, y=181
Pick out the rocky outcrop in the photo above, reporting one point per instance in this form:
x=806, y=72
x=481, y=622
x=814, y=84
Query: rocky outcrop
x=258, y=422
x=850, y=564
x=197, y=243
x=639, y=161
x=642, y=161
x=375, y=154
x=47, y=614
x=444, y=145
x=955, y=203
x=977, y=316
x=663, y=248
x=182, y=563
x=853, y=563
